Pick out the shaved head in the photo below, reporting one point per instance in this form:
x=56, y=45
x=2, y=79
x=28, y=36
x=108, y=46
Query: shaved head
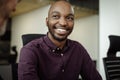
x=61, y=3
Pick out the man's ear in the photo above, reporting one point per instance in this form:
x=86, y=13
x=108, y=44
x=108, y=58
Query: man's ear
x=47, y=21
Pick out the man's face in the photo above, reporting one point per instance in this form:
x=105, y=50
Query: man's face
x=60, y=21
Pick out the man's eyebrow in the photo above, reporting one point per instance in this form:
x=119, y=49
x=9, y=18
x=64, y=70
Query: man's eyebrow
x=55, y=12
x=70, y=14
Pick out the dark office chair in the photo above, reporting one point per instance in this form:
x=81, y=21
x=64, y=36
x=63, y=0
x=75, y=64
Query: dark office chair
x=112, y=62
x=25, y=39
x=29, y=37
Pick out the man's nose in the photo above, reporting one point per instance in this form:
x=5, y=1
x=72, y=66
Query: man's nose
x=62, y=22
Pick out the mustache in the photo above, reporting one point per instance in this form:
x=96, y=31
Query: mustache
x=62, y=27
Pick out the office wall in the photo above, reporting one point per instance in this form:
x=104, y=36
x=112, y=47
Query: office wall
x=85, y=30
x=109, y=24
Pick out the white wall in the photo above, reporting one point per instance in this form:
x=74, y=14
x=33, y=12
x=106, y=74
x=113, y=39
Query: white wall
x=85, y=30
x=109, y=24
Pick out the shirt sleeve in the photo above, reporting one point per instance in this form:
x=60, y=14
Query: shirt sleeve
x=27, y=66
x=89, y=71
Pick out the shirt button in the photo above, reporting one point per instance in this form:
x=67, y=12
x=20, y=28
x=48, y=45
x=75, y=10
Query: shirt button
x=63, y=70
x=61, y=54
x=58, y=49
x=53, y=50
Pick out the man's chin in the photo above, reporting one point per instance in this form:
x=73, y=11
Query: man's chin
x=60, y=39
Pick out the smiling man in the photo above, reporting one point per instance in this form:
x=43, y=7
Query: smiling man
x=54, y=56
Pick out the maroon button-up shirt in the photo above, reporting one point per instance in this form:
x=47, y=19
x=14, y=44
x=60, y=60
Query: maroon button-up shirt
x=42, y=60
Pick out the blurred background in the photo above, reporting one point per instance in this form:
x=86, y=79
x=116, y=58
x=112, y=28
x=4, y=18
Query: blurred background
x=94, y=21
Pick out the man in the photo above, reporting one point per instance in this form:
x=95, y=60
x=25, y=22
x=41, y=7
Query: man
x=6, y=7
x=54, y=57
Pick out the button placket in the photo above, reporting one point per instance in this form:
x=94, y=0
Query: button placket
x=63, y=70
x=62, y=54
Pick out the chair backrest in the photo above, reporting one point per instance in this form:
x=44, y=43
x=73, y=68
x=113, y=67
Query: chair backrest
x=114, y=45
x=112, y=68
x=112, y=62
x=29, y=37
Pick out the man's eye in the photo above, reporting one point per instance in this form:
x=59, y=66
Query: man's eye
x=70, y=18
x=55, y=16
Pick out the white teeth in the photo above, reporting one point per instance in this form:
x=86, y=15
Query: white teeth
x=61, y=30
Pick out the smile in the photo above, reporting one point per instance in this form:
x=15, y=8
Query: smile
x=61, y=31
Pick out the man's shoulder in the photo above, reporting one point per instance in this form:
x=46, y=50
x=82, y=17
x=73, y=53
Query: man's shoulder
x=34, y=43
x=77, y=46
x=74, y=42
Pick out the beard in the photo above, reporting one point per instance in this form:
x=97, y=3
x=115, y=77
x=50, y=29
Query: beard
x=57, y=38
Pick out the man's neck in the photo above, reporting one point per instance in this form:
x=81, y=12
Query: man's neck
x=59, y=44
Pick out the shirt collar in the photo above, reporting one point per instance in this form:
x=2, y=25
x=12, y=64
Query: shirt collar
x=52, y=46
